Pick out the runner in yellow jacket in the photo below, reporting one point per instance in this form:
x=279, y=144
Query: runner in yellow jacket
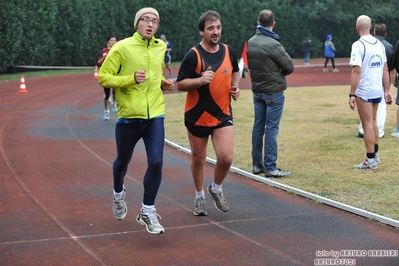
x=134, y=69
x=136, y=99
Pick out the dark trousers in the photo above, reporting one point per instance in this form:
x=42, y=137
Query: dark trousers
x=127, y=135
x=332, y=61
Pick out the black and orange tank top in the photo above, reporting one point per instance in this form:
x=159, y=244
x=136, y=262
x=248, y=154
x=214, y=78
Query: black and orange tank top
x=210, y=104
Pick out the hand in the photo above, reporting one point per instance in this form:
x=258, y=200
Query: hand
x=167, y=85
x=388, y=97
x=208, y=75
x=235, y=92
x=139, y=76
x=352, y=103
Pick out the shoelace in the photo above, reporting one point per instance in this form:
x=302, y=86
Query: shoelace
x=200, y=204
x=152, y=217
x=220, y=197
x=119, y=205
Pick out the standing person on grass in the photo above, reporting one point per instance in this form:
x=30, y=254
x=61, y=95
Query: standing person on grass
x=168, y=56
x=134, y=68
x=329, y=53
x=306, y=49
x=107, y=91
x=368, y=78
x=380, y=31
x=395, y=133
x=209, y=73
x=268, y=64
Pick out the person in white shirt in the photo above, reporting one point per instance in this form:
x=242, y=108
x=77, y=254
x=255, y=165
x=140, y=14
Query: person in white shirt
x=380, y=31
x=369, y=76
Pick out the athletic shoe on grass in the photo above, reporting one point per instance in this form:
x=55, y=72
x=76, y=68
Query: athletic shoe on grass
x=377, y=158
x=366, y=165
x=395, y=134
x=277, y=173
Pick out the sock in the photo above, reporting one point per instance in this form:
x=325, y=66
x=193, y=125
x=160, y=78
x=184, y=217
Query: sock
x=216, y=188
x=199, y=194
x=370, y=157
x=376, y=148
x=118, y=195
x=106, y=111
x=147, y=208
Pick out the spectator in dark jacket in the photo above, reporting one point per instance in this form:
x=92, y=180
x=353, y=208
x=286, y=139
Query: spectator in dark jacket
x=306, y=49
x=396, y=132
x=268, y=64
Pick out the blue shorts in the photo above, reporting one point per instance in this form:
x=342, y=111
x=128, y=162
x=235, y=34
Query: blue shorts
x=376, y=100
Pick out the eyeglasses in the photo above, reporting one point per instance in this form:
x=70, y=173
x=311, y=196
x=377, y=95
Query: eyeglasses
x=148, y=20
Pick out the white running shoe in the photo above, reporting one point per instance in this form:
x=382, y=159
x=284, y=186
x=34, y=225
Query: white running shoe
x=377, y=158
x=119, y=206
x=150, y=221
x=395, y=134
x=200, y=207
x=106, y=115
x=366, y=165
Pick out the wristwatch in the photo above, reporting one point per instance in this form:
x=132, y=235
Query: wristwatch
x=352, y=95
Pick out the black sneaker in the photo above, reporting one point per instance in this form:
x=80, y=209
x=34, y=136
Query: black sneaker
x=359, y=135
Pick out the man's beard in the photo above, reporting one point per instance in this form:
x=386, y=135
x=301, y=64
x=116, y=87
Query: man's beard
x=211, y=42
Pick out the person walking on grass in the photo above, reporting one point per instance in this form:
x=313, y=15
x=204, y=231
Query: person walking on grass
x=268, y=64
x=134, y=68
x=329, y=53
x=210, y=75
x=369, y=77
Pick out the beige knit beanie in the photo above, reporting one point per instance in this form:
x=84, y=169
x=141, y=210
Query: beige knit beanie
x=142, y=12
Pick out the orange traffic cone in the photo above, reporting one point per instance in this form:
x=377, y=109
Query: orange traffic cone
x=95, y=72
x=22, y=87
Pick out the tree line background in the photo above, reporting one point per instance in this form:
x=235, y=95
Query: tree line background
x=72, y=33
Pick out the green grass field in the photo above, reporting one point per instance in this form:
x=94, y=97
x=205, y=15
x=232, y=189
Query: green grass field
x=41, y=73
x=317, y=143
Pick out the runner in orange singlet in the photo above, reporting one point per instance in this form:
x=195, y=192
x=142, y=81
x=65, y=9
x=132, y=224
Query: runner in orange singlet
x=209, y=73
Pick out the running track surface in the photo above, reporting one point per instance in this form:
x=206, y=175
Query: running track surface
x=56, y=194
